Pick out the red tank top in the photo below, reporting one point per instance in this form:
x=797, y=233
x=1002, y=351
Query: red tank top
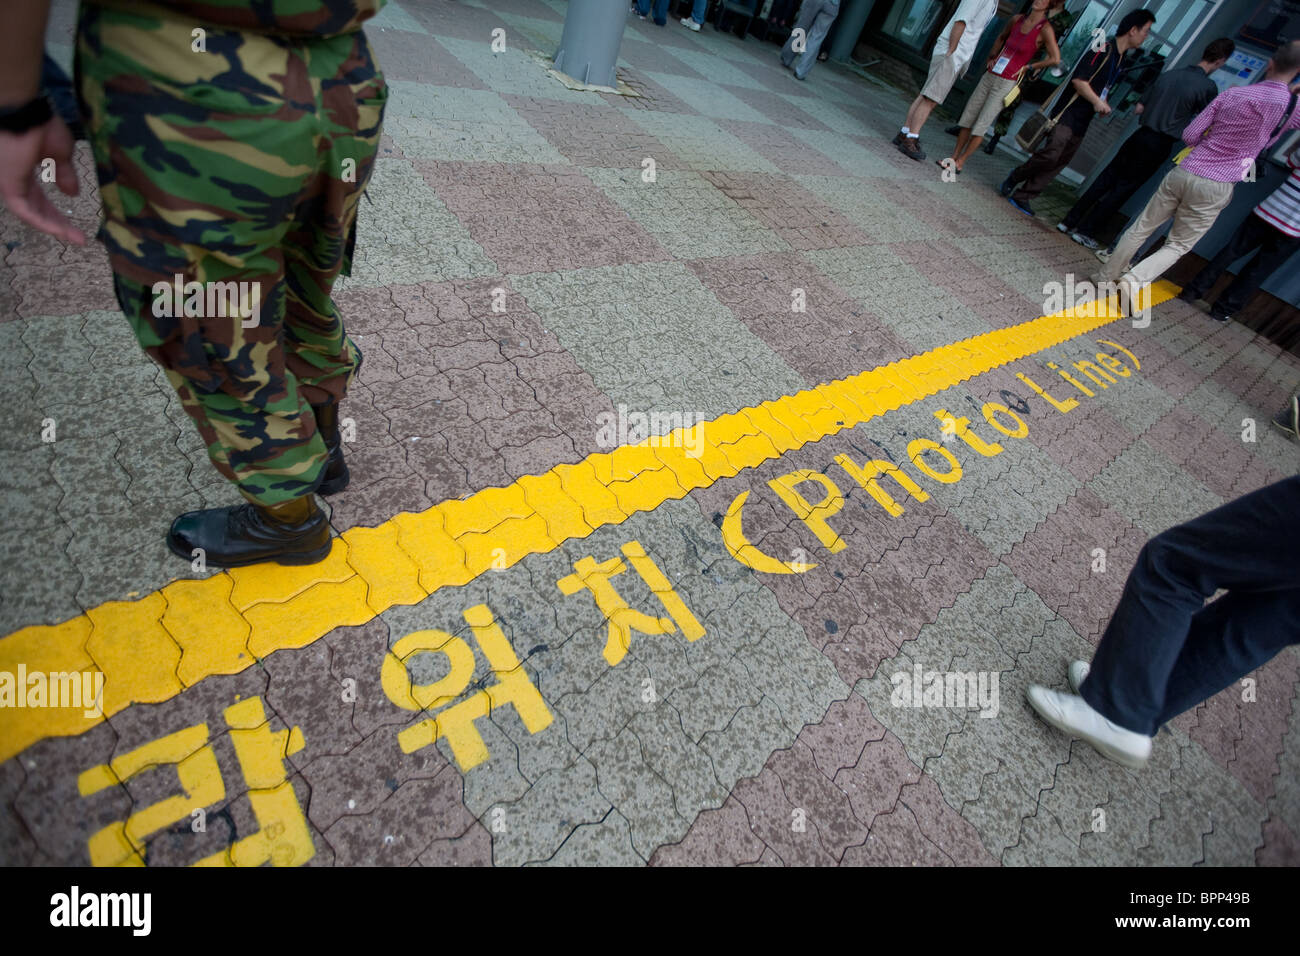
x=1020, y=48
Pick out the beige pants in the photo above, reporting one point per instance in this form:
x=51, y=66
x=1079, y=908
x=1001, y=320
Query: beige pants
x=1194, y=203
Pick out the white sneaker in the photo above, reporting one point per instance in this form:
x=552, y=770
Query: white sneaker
x=1073, y=715
x=690, y=24
x=1076, y=672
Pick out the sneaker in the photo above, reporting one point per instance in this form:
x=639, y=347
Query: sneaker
x=1220, y=316
x=690, y=24
x=1288, y=419
x=1073, y=715
x=911, y=148
x=1008, y=186
x=1086, y=241
x=1022, y=205
x=1062, y=227
x=1076, y=673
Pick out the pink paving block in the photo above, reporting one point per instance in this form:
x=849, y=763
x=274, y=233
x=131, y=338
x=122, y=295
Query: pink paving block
x=721, y=837
x=838, y=741
x=944, y=826
x=876, y=780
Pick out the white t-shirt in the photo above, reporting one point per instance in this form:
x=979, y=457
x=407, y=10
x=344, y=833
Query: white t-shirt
x=976, y=14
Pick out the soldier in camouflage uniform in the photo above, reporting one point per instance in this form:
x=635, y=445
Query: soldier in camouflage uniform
x=232, y=142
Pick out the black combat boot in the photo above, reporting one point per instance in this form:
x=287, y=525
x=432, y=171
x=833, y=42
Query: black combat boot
x=336, y=475
x=294, y=532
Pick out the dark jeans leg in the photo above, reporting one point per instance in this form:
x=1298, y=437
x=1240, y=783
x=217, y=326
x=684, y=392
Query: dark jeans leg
x=1274, y=250
x=1231, y=637
x=1098, y=192
x=1245, y=240
x=1041, y=168
x=1246, y=547
x=1137, y=161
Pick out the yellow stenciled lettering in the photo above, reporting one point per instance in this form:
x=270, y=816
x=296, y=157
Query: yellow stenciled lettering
x=917, y=449
x=812, y=515
x=867, y=476
x=456, y=724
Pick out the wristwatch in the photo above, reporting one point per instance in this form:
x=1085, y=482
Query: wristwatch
x=19, y=119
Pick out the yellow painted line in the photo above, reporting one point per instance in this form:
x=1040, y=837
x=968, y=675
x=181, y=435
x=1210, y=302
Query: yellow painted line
x=152, y=649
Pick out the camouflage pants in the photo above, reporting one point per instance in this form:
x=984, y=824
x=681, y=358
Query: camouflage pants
x=230, y=177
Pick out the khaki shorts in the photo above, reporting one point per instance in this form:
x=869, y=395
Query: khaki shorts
x=943, y=74
x=985, y=102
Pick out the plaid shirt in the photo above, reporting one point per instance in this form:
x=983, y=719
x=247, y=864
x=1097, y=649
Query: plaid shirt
x=1229, y=133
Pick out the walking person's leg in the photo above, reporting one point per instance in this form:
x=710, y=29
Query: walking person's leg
x=800, y=32
x=826, y=11
x=1201, y=203
x=1275, y=248
x=1243, y=241
x=1230, y=637
x=1040, y=169
x=1137, y=162
x=981, y=110
x=1164, y=650
x=1099, y=190
x=1246, y=546
x=1158, y=210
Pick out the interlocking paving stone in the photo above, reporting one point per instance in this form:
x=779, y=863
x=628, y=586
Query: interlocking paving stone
x=700, y=142
x=597, y=313
x=519, y=277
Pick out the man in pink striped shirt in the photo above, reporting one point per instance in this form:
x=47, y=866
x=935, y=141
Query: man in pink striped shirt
x=1225, y=139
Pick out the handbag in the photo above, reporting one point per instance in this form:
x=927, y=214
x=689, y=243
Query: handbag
x=1013, y=94
x=1040, y=124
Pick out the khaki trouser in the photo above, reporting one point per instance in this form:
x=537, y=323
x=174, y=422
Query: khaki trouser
x=1193, y=201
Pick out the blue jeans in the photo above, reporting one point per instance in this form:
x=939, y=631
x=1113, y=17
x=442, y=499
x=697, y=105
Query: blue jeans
x=699, y=11
x=1165, y=650
x=815, y=19
x=661, y=10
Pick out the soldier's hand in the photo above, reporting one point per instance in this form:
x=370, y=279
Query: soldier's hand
x=21, y=157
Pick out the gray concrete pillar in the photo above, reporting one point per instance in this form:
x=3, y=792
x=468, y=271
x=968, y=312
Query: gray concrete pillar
x=848, y=26
x=593, y=31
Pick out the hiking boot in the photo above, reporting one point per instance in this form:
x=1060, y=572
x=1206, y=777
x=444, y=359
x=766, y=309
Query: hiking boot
x=294, y=532
x=336, y=476
x=911, y=148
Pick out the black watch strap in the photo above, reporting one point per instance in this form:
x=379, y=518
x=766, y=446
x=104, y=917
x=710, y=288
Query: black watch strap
x=28, y=116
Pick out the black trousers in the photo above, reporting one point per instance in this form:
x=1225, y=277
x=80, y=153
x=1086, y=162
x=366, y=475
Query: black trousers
x=1137, y=161
x=1166, y=650
x=1275, y=247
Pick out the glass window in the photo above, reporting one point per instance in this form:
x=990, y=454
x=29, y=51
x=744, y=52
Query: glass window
x=911, y=21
